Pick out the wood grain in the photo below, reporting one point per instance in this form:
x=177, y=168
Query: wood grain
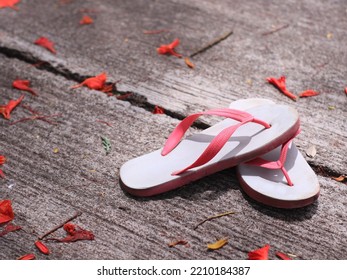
x=48, y=187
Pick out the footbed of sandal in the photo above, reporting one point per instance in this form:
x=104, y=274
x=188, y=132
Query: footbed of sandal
x=151, y=173
x=270, y=186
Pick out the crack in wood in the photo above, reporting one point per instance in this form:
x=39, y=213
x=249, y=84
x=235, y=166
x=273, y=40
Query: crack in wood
x=212, y=43
x=133, y=98
x=324, y=171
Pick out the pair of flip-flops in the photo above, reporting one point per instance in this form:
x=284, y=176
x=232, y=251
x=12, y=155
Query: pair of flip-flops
x=256, y=136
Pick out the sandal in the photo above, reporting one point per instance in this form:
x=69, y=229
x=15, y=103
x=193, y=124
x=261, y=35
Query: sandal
x=281, y=178
x=242, y=136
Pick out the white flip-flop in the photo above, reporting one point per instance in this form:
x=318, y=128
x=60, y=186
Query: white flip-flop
x=290, y=183
x=244, y=135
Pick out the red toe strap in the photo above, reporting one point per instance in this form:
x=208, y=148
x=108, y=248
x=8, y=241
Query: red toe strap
x=218, y=142
x=279, y=164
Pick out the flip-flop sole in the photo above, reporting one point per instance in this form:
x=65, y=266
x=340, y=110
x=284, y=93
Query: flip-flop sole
x=269, y=186
x=151, y=174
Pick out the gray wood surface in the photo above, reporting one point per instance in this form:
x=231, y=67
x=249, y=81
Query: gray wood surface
x=309, y=48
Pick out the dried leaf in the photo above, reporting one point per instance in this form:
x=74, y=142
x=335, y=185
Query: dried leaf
x=6, y=110
x=178, y=242
x=158, y=110
x=283, y=256
x=9, y=3
x=97, y=82
x=308, y=93
x=106, y=144
x=311, y=151
x=9, y=228
x=281, y=85
x=189, y=63
x=6, y=212
x=339, y=179
x=46, y=43
x=170, y=48
x=23, y=85
x=249, y=82
x=218, y=244
x=86, y=20
x=260, y=254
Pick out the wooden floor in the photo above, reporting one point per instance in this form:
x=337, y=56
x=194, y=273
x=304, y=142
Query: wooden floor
x=55, y=171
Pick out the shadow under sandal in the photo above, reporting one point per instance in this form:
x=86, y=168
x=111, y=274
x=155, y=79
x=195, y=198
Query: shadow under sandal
x=282, y=178
x=242, y=136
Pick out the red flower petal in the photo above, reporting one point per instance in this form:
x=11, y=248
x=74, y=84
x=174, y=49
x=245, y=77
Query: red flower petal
x=158, y=110
x=169, y=49
x=6, y=110
x=9, y=228
x=75, y=233
x=86, y=20
x=346, y=90
x=6, y=212
x=2, y=159
x=9, y=3
x=97, y=82
x=69, y=228
x=23, y=85
x=281, y=85
x=44, y=42
x=260, y=254
x=308, y=93
x=283, y=256
x=42, y=247
x=27, y=257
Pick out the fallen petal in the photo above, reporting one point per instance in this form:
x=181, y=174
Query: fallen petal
x=9, y=3
x=9, y=228
x=46, y=43
x=177, y=242
x=283, y=256
x=6, y=110
x=6, y=212
x=260, y=254
x=158, y=110
x=86, y=20
x=27, y=257
x=42, y=247
x=97, y=82
x=339, y=179
x=189, y=63
x=23, y=85
x=308, y=93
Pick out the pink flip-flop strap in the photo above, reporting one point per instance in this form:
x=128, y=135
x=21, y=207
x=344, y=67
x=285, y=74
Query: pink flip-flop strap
x=279, y=164
x=217, y=143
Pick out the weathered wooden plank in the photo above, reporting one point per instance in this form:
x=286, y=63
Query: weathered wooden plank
x=310, y=52
x=50, y=187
